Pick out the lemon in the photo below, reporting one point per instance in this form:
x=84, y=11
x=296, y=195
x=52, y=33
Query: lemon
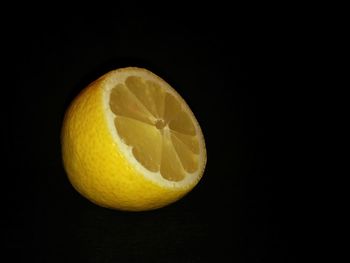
x=130, y=142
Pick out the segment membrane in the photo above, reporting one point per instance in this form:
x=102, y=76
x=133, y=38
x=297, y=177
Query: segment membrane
x=188, y=159
x=158, y=97
x=123, y=103
x=172, y=107
x=142, y=92
x=190, y=141
x=145, y=139
x=183, y=124
x=170, y=167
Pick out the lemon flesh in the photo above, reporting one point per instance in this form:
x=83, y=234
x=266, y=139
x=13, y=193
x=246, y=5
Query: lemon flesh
x=130, y=142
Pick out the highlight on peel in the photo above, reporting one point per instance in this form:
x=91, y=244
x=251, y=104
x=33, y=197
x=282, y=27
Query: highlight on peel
x=130, y=142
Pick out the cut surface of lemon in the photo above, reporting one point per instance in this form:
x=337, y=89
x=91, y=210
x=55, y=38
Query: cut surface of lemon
x=130, y=142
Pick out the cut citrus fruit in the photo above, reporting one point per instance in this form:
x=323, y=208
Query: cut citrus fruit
x=130, y=142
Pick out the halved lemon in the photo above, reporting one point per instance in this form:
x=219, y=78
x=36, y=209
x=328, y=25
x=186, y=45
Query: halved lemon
x=130, y=142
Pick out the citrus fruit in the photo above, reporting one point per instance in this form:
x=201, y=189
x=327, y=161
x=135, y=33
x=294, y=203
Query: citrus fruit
x=130, y=142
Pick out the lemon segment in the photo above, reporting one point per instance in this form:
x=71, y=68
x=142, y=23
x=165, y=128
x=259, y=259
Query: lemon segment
x=145, y=139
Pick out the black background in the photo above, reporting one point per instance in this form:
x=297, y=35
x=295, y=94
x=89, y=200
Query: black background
x=239, y=210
